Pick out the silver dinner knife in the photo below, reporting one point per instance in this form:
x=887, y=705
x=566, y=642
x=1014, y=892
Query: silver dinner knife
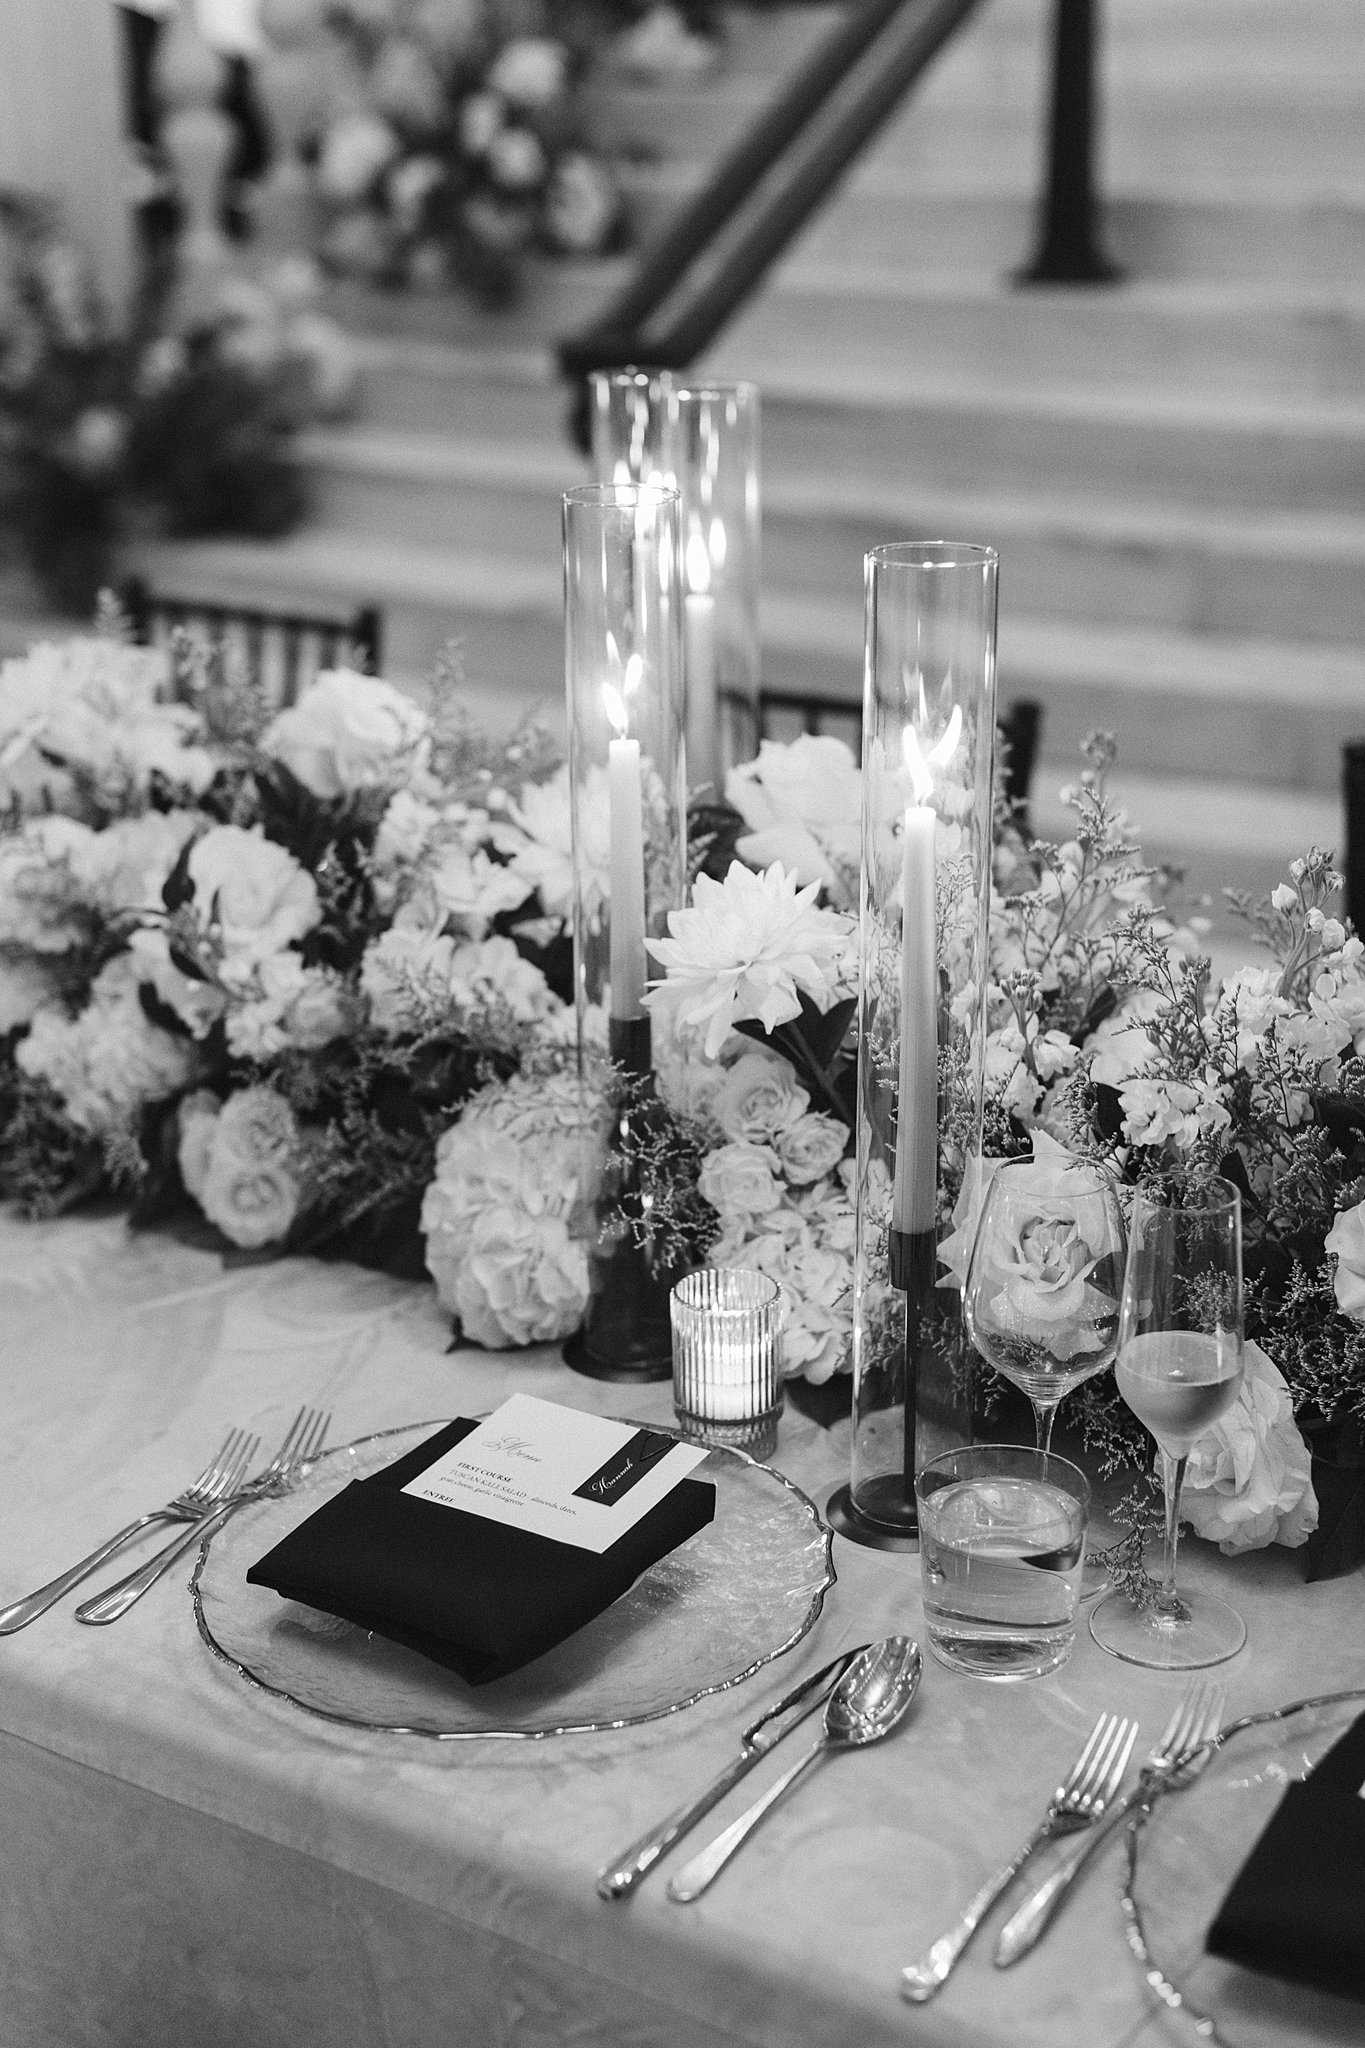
x=618, y=1880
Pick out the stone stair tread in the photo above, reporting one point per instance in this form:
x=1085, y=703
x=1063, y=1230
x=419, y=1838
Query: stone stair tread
x=353, y=567
x=549, y=466
x=1188, y=295
x=815, y=379
x=1292, y=675
x=1230, y=531
x=437, y=456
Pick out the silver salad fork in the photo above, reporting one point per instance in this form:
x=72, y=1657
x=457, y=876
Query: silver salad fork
x=1078, y=1802
x=303, y=1441
x=1185, y=1747
x=217, y=1479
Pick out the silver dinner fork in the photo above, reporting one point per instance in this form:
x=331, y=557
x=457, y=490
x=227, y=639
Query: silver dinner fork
x=303, y=1441
x=1188, y=1741
x=1078, y=1802
x=217, y=1479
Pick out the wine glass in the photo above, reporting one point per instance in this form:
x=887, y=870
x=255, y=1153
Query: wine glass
x=1180, y=1364
x=1041, y=1301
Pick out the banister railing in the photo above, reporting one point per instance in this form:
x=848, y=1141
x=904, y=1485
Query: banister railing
x=766, y=187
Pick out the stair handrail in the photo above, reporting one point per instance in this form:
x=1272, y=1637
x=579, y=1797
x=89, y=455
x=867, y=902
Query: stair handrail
x=913, y=32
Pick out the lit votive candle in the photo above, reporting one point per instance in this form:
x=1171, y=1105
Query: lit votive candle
x=727, y=1358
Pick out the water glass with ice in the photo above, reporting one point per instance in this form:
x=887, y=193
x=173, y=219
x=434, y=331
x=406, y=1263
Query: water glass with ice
x=1002, y=1544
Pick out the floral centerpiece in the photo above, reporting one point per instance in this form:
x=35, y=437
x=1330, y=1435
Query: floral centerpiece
x=256, y=963
x=303, y=974
x=451, y=144
x=105, y=434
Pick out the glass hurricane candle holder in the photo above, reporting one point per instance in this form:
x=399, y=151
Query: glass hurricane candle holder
x=623, y=678
x=928, y=742
x=727, y=1358
x=702, y=441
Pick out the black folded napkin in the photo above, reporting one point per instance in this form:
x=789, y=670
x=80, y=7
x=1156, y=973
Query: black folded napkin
x=1297, y=1908
x=474, y=1595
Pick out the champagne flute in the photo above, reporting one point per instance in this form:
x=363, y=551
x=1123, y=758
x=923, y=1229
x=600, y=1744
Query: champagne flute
x=1041, y=1301
x=1180, y=1365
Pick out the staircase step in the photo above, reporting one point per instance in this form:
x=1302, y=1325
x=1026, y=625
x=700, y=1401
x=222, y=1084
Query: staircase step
x=1179, y=704
x=1088, y=559
x=1249, y=339
x=882, y=216
x=1085, y=557
x=888, y=429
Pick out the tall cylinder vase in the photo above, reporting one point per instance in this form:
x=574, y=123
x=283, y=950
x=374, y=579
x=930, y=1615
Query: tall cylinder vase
x=702, y=440
x=928, y=740
x=623, y=680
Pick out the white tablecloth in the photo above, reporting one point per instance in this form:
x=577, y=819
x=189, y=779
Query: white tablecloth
x=186, y=1861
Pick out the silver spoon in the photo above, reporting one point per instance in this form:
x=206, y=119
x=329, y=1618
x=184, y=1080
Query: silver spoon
x=867, y=1703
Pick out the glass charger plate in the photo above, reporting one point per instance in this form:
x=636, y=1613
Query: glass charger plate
x=713, y=1612
x=1186, y=1859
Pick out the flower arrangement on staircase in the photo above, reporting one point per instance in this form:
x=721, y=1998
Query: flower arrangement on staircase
x=448, y=142
x=180, y=429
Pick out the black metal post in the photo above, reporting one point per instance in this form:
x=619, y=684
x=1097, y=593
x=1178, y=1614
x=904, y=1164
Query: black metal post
x=1353, y=864
x=1070, y=250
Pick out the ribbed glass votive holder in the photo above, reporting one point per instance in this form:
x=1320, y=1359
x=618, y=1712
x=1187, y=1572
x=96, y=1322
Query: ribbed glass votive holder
x=727, y=1358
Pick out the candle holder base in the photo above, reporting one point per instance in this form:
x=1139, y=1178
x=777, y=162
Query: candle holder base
x=757, y=1436
x=639, y=1372
x=845, y=1517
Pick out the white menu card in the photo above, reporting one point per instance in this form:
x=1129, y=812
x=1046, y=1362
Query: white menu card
x=581, y=1479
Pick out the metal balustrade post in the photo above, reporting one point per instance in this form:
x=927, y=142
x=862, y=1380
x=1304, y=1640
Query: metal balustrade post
x=1070, y=249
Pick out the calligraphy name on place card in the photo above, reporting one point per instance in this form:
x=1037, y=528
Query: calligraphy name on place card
x=557, y=1472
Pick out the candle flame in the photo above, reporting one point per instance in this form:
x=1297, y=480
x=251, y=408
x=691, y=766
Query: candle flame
x=616, y=709
x=921, y=766
x=698, y=566
x=921, y=776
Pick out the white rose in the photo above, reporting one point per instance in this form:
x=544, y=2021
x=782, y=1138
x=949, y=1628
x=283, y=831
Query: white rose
x=740, y=1179
x=355, y=149
x=1249, y=1478
x=405, y=831
x=286, y=1003
x=759, y=1097
x=481, y=116
x=492, y=974
x=254, y=891
x=252, y=1185
x=475, y=889
x=811, y=1147
x=348, y=732
x=1345, y=1241
x=531, y=71
x=126, y=866
x=517, y=160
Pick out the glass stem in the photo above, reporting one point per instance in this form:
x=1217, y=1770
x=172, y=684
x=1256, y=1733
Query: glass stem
x=1173, y=1480
x=1044, y=1415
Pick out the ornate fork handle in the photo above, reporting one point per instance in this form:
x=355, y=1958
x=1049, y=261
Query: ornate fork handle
x=922, y=1979
x=1023, y=1930
x=119, y=1597
x=22, y=1612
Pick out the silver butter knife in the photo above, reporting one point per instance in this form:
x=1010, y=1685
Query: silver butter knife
x=618, y=1880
